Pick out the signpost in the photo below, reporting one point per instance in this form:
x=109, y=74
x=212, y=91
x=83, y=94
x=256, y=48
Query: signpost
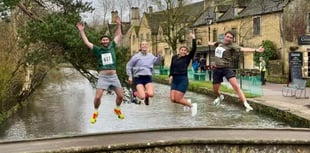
x=304, y=40
x=295, y=65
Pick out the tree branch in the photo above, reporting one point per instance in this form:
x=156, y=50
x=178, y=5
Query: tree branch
x=28, y=12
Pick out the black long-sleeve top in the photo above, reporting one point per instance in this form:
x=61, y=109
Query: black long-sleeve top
x=179, y=64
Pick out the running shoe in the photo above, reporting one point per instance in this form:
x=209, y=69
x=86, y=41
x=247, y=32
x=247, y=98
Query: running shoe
x=147, y=101
x=93, y=119
x=119, y=113
x=247, y=107
x=194, y=109
x=139, y=101
x=218, y=100
x=134, y=100
x=186, y=108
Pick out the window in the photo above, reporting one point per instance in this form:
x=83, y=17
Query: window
x=256, y=26
x=141, y=37
x=147, y=37
x=235, y=11
x=133, y=38
x=214, y=35
x=234, y=31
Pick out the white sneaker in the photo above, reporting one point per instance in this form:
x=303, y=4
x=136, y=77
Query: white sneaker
x=186, y=108
x=247, y=107
x=194, y=109
x=218, y=100
x=139, y=101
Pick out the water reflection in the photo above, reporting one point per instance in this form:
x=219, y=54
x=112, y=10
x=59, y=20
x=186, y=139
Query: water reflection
x=63, y=108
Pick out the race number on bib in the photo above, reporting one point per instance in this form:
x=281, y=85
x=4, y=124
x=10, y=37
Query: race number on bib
x=106, y=59
x=219, y=51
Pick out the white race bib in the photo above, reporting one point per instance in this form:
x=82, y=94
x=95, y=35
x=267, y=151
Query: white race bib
x=106, y=58
x=219, y=51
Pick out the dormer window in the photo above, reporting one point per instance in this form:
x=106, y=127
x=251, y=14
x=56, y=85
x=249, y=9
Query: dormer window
x=236, y=11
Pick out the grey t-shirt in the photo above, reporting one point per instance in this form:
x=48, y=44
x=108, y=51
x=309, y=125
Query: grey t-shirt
x=224, y=54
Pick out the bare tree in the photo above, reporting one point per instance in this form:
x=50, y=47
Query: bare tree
x=177, y=18
x=106, y=8
x=295, y=21
x=244, y=31
x=132, y=3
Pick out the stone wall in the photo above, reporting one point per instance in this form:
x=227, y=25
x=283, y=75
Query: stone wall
x=276, y=72
x=201, y=147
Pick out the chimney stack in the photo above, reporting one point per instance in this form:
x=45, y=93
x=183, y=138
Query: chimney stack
x=180, y=3
x=135, y=16
x=114, y=14
x=150, y=9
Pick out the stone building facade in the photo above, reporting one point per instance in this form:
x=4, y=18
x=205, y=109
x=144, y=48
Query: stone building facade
x=252, y=23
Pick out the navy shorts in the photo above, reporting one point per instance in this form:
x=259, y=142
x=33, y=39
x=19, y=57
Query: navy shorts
x=219, y=73
x=143, y=79
x=179, y=83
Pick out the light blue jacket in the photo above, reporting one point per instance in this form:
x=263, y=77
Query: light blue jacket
x=141, y=64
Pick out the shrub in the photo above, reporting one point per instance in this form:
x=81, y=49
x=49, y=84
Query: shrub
x=270, y=52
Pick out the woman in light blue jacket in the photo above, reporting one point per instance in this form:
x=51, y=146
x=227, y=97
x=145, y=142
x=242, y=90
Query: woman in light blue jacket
x=140, y=69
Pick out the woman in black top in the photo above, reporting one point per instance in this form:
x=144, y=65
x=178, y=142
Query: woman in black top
x=178, y=76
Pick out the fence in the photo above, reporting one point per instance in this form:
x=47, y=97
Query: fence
x=248, y=79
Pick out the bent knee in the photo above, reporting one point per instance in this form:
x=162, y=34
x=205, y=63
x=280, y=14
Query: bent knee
x=172, y=100
x=149, y=94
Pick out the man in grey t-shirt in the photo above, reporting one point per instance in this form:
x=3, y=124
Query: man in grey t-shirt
x=222, y=68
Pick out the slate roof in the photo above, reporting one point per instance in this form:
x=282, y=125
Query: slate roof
x=255, y=8
x=158, y=18
x=125, y=27
x=222, y=8
x=210, y=11
x=154, y=20
x=250, y=9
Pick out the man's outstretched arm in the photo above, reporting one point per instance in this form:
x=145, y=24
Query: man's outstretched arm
x=81, y=27
x=246, y=49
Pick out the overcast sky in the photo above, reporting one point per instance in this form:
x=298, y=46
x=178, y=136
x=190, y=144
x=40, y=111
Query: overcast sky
x=97, y=14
